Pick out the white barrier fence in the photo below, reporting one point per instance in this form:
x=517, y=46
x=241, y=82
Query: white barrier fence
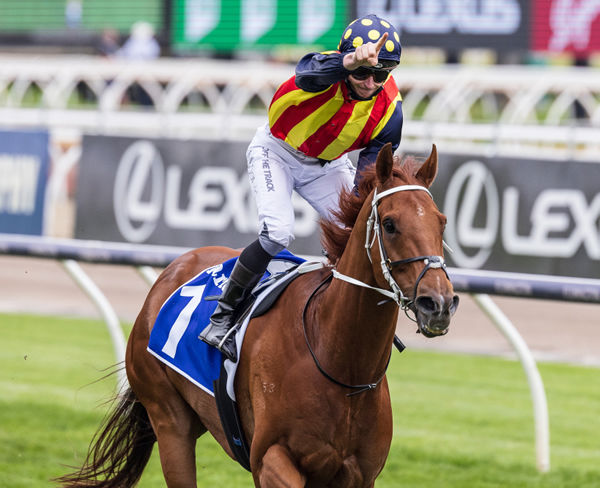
x=477, y=283
x=503, y=109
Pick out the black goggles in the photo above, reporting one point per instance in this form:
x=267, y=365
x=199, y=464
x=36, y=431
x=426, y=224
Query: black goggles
x=378, y=74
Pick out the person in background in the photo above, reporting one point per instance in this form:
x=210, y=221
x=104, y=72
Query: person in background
x=73, y=14
x=337, y=102
x=108, y=44
x=141, y=45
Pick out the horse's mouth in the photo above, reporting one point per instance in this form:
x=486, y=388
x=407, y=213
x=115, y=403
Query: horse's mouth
x=434, y=329
x=432, y=318
x=432, y=324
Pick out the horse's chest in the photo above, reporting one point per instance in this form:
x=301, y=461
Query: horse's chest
x=331, y=468
x=339, y=462
x=341, y=445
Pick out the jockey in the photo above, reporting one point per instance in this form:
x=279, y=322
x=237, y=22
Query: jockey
x=337, y=102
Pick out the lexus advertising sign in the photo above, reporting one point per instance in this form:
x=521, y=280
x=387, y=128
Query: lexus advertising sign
x=171, y=192
x=504, y=214
x=502, y=25
x=527, y=216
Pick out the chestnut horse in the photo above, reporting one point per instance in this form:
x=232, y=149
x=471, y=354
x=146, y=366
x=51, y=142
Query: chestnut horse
x=311, y=388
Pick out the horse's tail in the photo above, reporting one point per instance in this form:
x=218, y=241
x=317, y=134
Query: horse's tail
x=119, y=450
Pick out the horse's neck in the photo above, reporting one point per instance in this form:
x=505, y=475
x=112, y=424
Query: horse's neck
x=355, y=332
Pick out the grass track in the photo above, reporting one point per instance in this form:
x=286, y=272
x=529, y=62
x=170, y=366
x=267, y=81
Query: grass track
x=459, y=421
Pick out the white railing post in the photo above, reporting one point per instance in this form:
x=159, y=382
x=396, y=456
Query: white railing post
x=148, y=274
x=536, y=386
x=106, y=310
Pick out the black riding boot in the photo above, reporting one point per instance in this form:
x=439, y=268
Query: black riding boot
x=238, y=287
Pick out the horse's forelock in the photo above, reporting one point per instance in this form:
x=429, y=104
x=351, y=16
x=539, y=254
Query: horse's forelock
x=409, y=167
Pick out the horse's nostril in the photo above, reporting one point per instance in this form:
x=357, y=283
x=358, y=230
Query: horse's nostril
x=427, y=305
x=454, y=305
x=432, y=306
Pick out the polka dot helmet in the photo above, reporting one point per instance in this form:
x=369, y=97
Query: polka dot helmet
x=369, y=29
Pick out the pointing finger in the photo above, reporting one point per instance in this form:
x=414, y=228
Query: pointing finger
x=381, y=42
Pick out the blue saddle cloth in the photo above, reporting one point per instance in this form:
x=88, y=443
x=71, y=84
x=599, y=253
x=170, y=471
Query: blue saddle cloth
x=174, y=337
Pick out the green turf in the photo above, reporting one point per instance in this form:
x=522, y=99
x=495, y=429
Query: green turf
x=459, y=421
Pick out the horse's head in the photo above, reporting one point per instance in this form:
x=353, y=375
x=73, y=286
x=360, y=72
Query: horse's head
x=405, y=229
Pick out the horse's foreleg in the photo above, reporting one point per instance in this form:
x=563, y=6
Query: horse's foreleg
x=277, y=470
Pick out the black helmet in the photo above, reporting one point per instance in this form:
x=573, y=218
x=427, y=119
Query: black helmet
x=371, y=28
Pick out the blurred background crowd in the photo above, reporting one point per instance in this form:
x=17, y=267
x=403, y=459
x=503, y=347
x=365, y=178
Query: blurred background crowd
x=565, y=32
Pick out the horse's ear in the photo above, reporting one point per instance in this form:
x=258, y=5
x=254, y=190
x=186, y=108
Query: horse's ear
x=428, y=170
x=384, y=164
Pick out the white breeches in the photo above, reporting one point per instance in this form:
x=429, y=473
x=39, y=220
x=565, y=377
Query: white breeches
x=275, y=169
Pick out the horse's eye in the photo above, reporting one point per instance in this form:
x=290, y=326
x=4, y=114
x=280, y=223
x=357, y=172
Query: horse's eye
x=388, y=226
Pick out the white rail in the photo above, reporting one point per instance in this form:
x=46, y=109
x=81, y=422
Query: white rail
x=536, y=385
x=106, y=310
x=506, y=108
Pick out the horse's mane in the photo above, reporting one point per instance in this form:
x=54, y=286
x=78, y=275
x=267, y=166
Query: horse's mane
x=336, y=232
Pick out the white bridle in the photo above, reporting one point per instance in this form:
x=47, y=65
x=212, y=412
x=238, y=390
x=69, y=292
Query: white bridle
x=373, y=225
